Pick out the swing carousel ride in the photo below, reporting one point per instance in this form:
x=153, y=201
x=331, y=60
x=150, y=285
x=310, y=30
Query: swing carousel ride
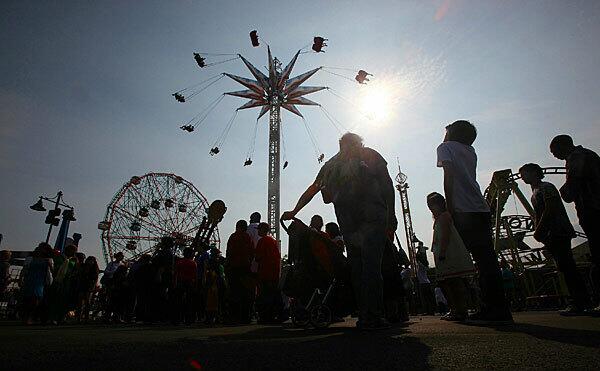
x=270, y=92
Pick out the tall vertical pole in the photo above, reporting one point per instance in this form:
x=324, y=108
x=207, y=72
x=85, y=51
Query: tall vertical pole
x=274, y=161
x=58, y=197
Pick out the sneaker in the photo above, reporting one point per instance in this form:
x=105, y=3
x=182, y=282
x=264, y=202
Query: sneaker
x=594, y=312
x=571, y=311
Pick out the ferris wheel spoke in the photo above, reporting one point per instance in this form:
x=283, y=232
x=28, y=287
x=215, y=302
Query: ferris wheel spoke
x=127, y=213
x=191, y=219
x=193, y=229
x=158, y=187
x=142, y=238
x=145, y=201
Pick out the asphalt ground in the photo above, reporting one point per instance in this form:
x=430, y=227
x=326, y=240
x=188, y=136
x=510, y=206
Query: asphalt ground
x=537, y=340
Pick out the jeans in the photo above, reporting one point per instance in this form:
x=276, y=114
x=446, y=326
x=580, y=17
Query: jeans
x=475, y=229
x=560, y=248
x=365, y=248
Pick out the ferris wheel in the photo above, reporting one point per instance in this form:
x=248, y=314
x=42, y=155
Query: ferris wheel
x=149, y=207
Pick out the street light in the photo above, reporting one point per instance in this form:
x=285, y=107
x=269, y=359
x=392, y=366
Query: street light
x=52, y=217
x=38, y=206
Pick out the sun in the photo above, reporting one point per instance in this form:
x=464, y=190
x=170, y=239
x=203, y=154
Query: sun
x=375, y=102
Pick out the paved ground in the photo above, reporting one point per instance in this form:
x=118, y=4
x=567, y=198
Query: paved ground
x=538, y=340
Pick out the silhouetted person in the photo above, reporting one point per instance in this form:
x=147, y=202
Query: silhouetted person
x=555, y=231
x=471, y=215
x=240, y=254
x=316, y=222
x=268, y=257
x=452, y=260
x=87, y=280
x=63, y=287
x=357, y=182
x=144, y=278
x=253, y=228
x=163, y=262
x=425, y=289
x=185, y=284
x=333, y=231
x=37, y=280
x=583, y=188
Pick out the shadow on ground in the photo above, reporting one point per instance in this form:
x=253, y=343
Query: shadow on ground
x=256, y=348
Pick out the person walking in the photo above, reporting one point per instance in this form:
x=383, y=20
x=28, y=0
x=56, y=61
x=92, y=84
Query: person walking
x=472, y=219
x=555, y=231
x=357, y=182
x=582, y=187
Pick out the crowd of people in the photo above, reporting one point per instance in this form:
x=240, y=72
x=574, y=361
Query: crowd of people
x=163, y=287
x=245, y=285
x=358, y=184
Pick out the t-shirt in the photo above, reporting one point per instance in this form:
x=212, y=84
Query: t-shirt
x=185, y=270
x=253, y=233
x=354, y=185
x=583, y=167
x=466, y=193
x=240, y=251
x=558, y=223
x=269, y=259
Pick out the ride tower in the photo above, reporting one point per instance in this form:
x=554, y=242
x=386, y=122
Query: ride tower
x=272, y=93
x=411, y=238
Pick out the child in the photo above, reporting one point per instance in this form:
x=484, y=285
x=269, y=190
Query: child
x=452, y=260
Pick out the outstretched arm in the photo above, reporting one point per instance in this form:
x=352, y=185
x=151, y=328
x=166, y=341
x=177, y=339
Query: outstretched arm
x=306, y=197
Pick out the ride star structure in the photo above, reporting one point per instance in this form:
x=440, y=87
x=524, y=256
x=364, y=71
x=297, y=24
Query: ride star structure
x=271, y=93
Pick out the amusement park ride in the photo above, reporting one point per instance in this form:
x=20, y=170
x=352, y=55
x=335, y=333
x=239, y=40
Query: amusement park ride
x=271, y=92
x=411, y=239
x=530, y=264
x=152, y=206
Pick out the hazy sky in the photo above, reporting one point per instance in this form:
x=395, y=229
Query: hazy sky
x=85, y=95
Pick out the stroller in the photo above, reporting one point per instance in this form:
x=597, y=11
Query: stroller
x=317, y=278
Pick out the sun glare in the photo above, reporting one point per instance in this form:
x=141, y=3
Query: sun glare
x=376, y=102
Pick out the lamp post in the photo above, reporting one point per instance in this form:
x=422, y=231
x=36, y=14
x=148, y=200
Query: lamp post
x=52, y=218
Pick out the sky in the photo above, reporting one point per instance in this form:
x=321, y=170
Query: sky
x=85, y=96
